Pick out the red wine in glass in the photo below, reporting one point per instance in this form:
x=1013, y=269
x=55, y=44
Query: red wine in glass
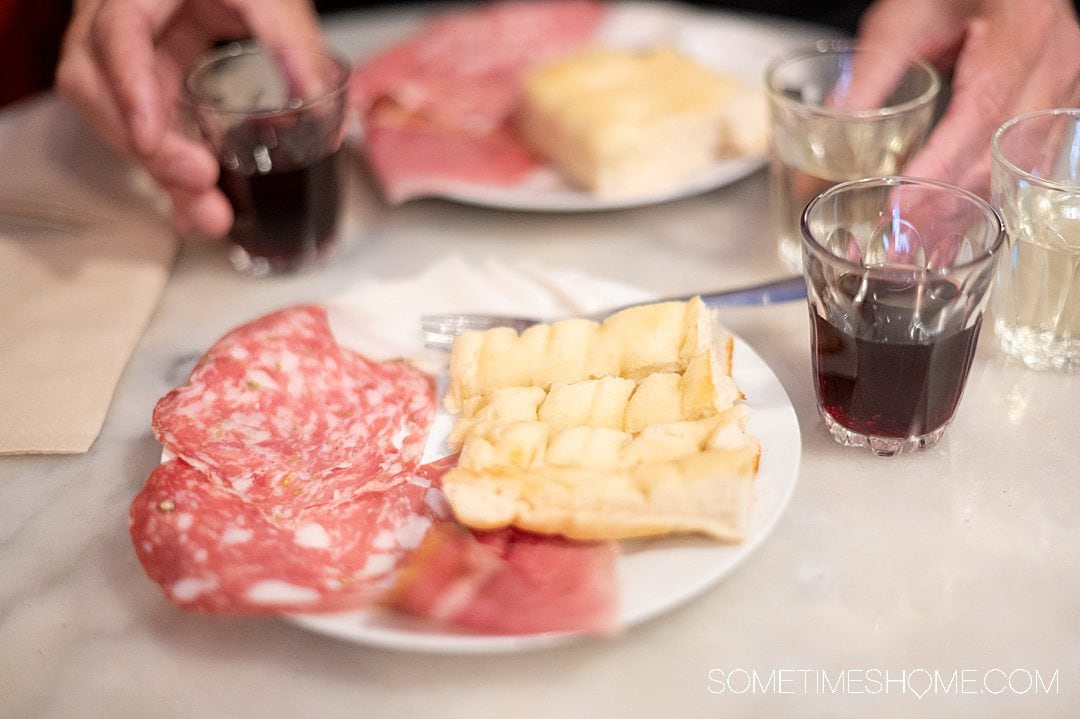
x=286, y=203
x=892, y=366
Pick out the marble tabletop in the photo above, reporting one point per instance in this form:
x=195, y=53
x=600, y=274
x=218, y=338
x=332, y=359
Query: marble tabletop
x=943, y=583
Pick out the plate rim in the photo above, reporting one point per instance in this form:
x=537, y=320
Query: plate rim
x=566, y=199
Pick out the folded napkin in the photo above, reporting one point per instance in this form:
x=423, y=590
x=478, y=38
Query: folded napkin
x=85, y=250
x=77, y=292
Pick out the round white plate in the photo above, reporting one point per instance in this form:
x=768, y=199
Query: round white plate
x=546, y=191
x=734, y=44
x=654, y=575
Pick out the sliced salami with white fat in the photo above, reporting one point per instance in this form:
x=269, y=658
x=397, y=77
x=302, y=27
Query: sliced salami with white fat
x=296, y=483
x=212, y=551
x=280, y=414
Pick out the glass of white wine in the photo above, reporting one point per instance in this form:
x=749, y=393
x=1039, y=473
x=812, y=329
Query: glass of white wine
x=839, y=111
x=1035, y=184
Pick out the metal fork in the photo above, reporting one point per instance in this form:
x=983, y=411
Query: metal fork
x=440, y=330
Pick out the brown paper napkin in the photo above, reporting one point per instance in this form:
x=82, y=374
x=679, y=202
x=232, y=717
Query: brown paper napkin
x=76, y=293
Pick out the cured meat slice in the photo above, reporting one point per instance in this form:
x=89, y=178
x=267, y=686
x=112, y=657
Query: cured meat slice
x=212, y=551
x=281, y=415
x=464, y=69
x=412, y=155
x=437, y=109
x=296, y=487
x=296, y=483
x=510, y=582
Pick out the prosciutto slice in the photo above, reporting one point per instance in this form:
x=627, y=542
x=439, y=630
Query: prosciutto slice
x=510, y=582
x=413, y=156
x=437, y=108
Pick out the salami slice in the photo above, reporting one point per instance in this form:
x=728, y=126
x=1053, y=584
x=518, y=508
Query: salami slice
x=212, y=551
x=281, y=415
x=296, y=483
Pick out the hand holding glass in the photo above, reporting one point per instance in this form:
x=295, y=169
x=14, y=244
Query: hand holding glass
x=276, y=124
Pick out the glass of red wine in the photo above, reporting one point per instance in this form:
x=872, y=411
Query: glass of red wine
x=898, y=271
x=276, y=122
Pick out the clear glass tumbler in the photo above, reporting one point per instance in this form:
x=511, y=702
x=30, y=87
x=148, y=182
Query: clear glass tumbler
x=830, y=121
x=1035, y=184
x=276, y=122
x=897, y=273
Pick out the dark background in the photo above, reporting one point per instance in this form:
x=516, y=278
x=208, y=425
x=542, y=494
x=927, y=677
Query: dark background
x=839, y=13
x=31, y=31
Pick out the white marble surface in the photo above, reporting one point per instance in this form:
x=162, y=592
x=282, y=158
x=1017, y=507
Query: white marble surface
x=964, y=561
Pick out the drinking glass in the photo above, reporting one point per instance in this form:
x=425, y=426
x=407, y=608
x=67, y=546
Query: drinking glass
x=897, y=273
x=830, y=121
x=1035, y=184
x=276, y=123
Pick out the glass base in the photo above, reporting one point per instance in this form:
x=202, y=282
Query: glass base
x=1039, y=349
x=882, y=446
x=247, y=264
x=250, y=265
x=790, y=252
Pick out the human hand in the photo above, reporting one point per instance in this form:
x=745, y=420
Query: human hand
x=1006, y=57
x=122, y=65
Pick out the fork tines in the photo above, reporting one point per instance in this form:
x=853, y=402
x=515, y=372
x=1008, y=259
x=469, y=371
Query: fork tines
x=440, y=330
x=438, y=340
x=456, y=324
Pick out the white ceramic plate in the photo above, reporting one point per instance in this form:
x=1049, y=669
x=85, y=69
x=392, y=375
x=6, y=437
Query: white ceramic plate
x=546, y=191
x=655, y=575
x=733, y=44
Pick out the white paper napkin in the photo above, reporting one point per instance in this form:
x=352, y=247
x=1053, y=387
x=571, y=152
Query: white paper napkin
x=85, y=251
x=76, y=293
x=381, y=319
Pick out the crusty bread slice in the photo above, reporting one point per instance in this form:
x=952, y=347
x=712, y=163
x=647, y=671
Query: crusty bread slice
x=708, y=492
x=620, y=122
x=633, y=343
x=656, y=443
